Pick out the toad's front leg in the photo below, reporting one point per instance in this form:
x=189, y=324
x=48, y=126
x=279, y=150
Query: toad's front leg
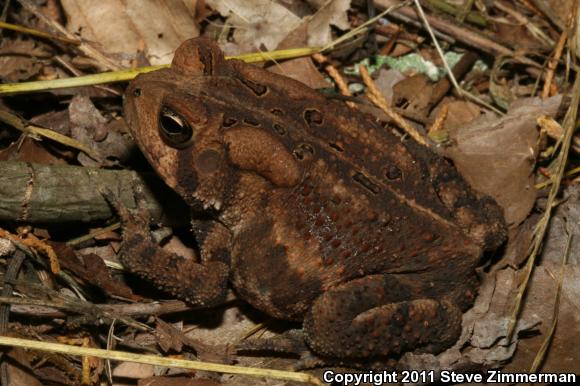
x=203, y=284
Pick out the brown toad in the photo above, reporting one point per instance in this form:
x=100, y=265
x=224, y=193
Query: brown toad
x=311, y=209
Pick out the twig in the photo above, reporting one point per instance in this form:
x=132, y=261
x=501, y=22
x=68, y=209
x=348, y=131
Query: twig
x=553, y=63
x=27, y=306
x=377, y=98
x=77, y=306
x=335, y=75
x=11, y=273
x=159, y=361
x=35, y=32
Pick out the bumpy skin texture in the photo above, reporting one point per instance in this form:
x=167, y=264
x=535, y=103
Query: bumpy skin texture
x=314, y=211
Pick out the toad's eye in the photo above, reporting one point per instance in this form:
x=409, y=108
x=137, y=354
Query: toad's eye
x=174, y=129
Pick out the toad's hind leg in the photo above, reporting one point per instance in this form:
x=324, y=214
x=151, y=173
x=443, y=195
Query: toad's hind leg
x=377, y=315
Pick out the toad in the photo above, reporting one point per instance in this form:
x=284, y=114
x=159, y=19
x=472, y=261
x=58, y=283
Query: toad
x=312, y=210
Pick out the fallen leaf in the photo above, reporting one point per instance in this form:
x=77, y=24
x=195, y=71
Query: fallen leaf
x=258, y=22
x=155, y=27
x=300, y=69
x=91, y=269
x=386, y=81
x=507, y=148
x=19, y=369
x=89, y=127
x=20, y=59
x=329, y=12
x=460, y=113
x=133, y=370
x=265, y=23
x=30, y=150
x=413, y=93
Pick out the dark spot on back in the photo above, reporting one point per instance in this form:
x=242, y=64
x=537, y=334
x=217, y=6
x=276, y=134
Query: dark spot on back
x=257, y=89
x=336, y=147
x=251, y=122
x=279, y=129
x=366, y=183
x=393, y=172
x=229, y=121
x=313, y=117
x=303, y=151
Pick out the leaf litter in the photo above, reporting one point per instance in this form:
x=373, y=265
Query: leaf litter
x=507, y=156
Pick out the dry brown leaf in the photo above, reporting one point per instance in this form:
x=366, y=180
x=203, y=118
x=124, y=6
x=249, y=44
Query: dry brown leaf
x=265, y=23
x=386, y=81
x=460, y=113
x=260, y=23
x=133, y=370
x=19, y=369
x=413, y=93
x=301, y=69
x=30, y=150
x=159, y=27
x=497, y=155
x=329, y=12
x=20, y=59
x=89, y=127
x=517, y=36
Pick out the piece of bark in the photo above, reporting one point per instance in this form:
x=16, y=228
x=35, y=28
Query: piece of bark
x=35, y=193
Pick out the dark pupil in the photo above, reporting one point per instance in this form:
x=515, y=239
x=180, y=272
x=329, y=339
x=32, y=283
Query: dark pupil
x=174, y=129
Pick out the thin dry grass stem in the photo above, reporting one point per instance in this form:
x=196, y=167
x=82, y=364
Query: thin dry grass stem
x=553, y=63
x=35, y=132
x=250, y=332
x=438, y=47
x=159, y=361
x=363, y=27
x=126, y=75
x=377, y=98
x=569, y=173
x=460, y=91
x=335, y=75
x=541, y=354
x=92, y=235
x=556, y=178
x=35, y=32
